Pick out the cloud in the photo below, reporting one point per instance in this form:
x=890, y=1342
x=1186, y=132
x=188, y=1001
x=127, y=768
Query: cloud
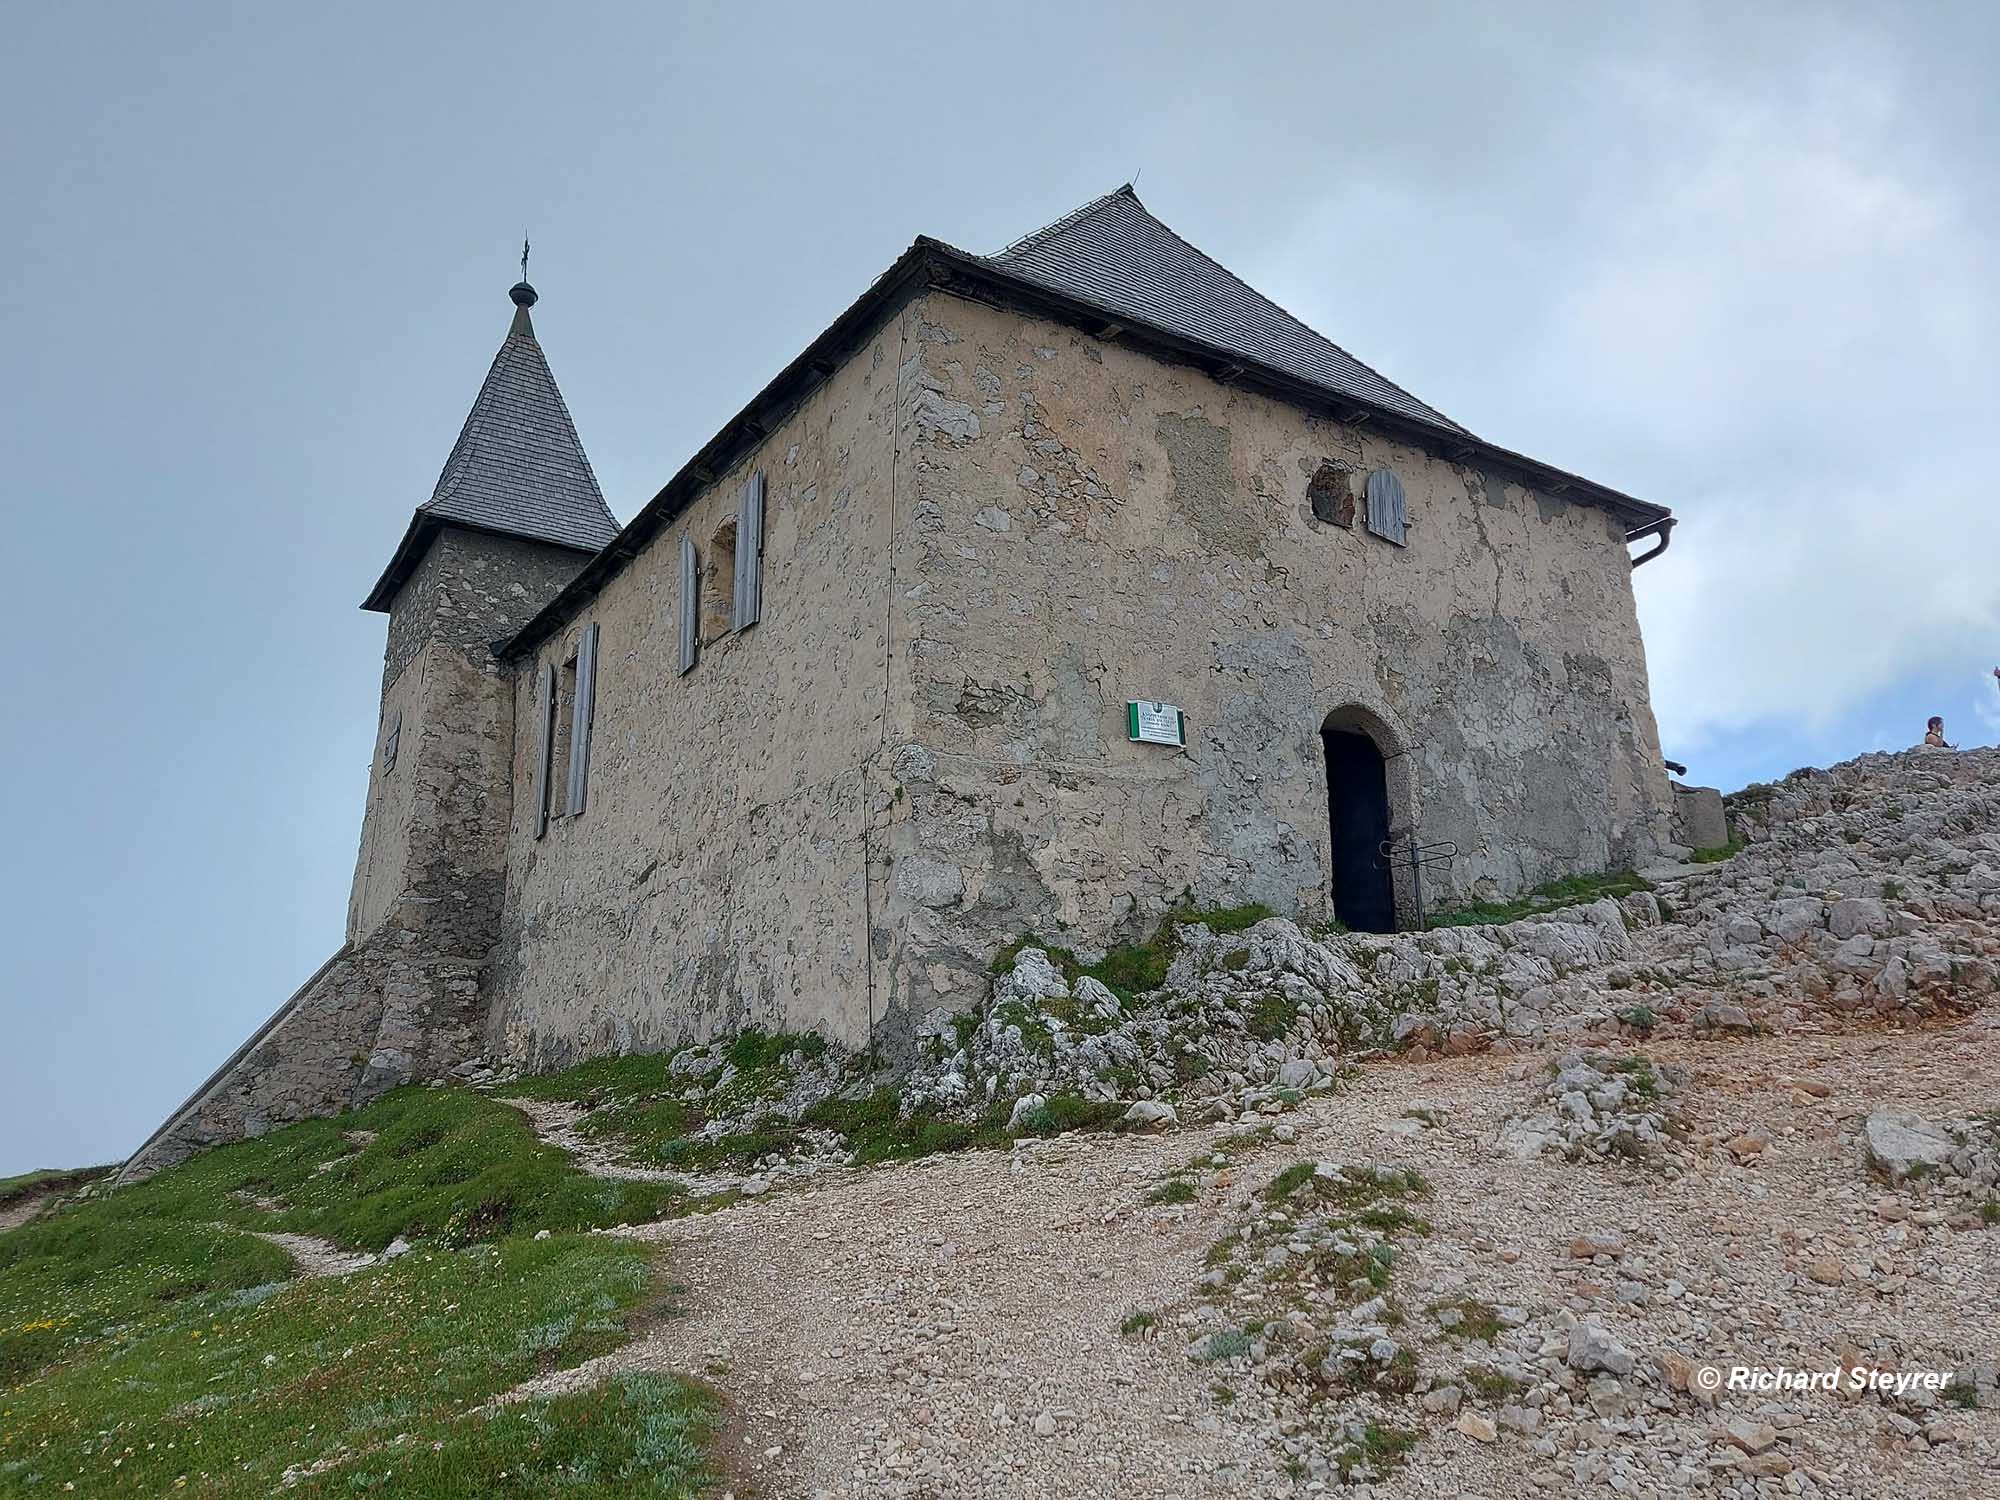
x=1756, y=290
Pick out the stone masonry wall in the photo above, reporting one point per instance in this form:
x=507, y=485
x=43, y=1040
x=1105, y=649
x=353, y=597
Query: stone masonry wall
x=1095, y=526
x=434, y=835
x=718, y=875
x=401, y=1000
x=374, y=1017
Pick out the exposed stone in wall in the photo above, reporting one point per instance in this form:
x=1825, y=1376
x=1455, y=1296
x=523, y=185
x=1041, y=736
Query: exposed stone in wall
x=471, y=590
x=434, y=837
x=1116, y=528
x=377, y=1015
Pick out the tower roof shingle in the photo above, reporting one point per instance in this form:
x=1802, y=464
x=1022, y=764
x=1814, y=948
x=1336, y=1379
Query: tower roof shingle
x=517, y=468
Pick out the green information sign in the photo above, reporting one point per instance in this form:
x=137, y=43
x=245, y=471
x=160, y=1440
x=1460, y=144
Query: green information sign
x=1155, y=724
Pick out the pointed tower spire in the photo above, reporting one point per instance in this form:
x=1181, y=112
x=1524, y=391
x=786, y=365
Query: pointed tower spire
x=523, y=297
x=518, y=467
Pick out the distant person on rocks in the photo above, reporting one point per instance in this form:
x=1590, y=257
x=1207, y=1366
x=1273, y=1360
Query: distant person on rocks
x=1934, y=735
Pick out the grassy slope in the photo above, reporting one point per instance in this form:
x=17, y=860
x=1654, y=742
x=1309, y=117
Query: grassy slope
x=148, y=1344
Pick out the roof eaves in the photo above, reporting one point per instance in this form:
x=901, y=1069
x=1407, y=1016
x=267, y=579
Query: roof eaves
x=1450, y=441
x=425, y=524
x=739, y=435
x=962, y=273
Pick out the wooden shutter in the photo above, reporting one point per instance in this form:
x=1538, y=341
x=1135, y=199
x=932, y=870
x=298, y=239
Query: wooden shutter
x=579, y=724
x=690, y=582
x=1386, y=516
x=750, y=554
x=545, y=750
x=392, y=741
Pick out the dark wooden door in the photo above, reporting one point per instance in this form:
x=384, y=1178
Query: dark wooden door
x=1358, y=802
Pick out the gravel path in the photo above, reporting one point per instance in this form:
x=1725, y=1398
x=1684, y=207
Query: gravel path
x=951, y=1327
x=316, y=1257
x=15, y=1214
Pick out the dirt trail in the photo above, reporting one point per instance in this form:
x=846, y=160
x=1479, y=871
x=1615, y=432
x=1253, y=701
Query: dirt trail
x=316, y=1257
x=554, y=1120
x=19, y=1212
x=951, y=1327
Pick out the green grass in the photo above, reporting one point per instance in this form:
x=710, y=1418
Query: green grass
x=445, y=1164
x=1374, y=1453
x=1231, y=1343
x=230, y=1390
x=1139, y=968
x=1272, y=1016
x=1476, y=1319
x=1640, y=1018
x=1179, y=1190
x=149, y=1343
x=1571, y=891
x=1718, y=853
x=1137, y=1323
x=637, y=1105
x=1640, y=1077
x=1490, y=1385
x=1289, y=1181
x=876, y=1131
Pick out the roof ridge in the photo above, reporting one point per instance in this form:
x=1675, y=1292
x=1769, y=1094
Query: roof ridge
x=1055, y=227
x=1273, y=304
x=1115, y=254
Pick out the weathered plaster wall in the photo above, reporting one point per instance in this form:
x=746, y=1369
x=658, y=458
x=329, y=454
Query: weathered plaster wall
x=1107, y=527
x=718, y=876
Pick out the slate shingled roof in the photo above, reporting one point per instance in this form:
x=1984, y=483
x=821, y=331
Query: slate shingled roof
x=1115, y=255
x=1109, y=262
x=517, y=466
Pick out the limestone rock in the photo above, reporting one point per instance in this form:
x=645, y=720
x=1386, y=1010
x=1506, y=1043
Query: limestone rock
x=1591, y=1347
x=1898, y=1141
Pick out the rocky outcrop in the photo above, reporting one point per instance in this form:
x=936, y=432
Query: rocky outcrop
x=1872, y=889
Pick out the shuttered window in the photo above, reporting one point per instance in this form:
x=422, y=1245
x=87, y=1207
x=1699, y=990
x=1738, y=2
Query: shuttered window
x=690, y=604
x=545, y=749
x=392, y=742
x=750, y=554
x=579, y=733
x=1385, y=507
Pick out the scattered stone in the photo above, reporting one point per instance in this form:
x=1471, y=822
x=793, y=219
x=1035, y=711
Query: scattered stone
x=1591, y=1347
x=1750, y=1435
x=1150, y=1112
x=1477, y=1427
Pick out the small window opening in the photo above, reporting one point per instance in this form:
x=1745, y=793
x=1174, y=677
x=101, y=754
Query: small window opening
x=1332, y=495
x=718, y=584
x=392, y=742
x=564, y=730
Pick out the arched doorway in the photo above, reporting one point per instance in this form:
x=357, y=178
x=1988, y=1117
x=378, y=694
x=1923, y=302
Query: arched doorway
x=1357, y=789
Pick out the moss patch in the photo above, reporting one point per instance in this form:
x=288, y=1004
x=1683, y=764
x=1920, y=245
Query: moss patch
x=1572, y=891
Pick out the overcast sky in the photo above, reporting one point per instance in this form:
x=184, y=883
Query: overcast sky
x=257, y=257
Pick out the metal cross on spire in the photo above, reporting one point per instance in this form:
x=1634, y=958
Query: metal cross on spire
x=524, y=257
